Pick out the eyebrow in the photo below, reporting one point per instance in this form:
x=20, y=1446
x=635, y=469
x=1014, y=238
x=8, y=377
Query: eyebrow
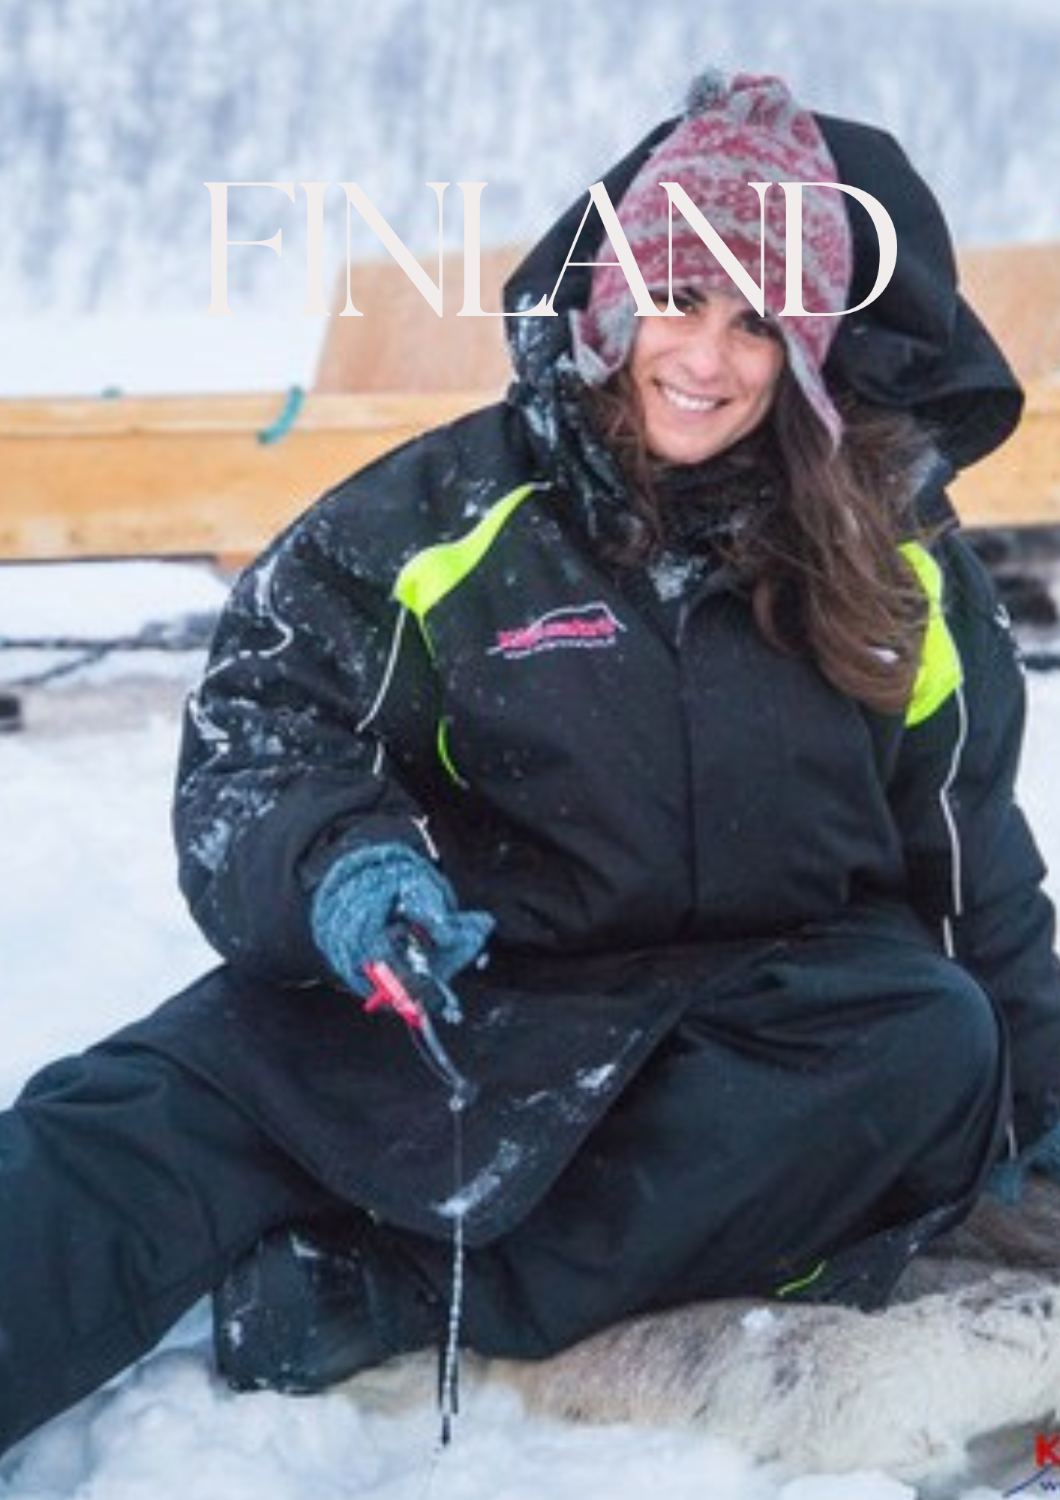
x=690, y=294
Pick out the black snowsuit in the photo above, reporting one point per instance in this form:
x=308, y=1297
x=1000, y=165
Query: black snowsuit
x=772, y=973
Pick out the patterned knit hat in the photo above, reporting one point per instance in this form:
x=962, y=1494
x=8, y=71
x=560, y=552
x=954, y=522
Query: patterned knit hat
x=749, y=130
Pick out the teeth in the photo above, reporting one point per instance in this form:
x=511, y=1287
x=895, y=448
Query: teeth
x=685, y=402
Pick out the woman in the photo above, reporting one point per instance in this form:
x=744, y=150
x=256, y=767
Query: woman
x=603, y=806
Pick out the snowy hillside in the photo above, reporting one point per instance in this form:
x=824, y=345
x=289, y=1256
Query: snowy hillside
x=113, y=115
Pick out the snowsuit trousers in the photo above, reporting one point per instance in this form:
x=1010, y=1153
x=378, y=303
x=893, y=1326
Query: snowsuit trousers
x=843, y=1099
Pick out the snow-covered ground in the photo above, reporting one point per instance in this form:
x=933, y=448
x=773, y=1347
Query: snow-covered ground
x=92, y=932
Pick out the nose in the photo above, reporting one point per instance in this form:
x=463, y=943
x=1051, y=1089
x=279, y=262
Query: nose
x=704, y=347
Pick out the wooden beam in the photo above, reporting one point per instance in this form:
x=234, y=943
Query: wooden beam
x=184, y=476
x=187, y=476
x=1015, y=289
x=1019, y=484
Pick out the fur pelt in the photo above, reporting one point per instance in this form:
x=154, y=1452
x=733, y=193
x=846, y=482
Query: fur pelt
x=949, y=1382
x=970, y=1346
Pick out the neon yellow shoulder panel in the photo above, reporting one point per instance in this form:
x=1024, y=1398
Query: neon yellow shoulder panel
x=436, y=571
x=433, y=573
x=940, y=673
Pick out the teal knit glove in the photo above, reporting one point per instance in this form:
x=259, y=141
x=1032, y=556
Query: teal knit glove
x=370, y=900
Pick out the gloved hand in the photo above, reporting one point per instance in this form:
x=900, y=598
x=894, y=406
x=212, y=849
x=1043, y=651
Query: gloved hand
x=371, y=901
x=1007, y=1180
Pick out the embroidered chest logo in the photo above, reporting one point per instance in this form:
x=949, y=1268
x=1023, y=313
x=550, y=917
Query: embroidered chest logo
x=576, y=626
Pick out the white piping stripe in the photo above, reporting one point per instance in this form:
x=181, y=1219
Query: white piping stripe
x=949, y=946
x=379, y=759
x=384, y=687
x=956, y=863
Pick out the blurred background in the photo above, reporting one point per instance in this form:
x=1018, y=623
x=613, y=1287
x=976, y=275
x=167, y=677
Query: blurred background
x=114, y=113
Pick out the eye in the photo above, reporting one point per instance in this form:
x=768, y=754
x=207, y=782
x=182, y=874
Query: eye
x=686, y=301
x=759, y=326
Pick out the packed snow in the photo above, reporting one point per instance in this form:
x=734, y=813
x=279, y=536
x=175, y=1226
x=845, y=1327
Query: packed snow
x=92, y=933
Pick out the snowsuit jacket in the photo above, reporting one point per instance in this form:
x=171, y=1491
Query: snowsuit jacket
x=435, y=654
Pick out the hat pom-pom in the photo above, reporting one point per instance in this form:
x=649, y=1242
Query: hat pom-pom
x=706, y=91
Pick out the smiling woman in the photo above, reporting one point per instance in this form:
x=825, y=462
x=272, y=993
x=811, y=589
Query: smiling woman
x=667, y=682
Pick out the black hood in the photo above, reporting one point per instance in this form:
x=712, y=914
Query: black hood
x=918, y=347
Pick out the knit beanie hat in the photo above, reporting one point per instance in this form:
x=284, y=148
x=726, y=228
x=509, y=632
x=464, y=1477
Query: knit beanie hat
x=733, y=133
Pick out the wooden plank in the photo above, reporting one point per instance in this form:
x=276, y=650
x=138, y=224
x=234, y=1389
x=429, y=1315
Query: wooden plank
x=245, y=415
x=1015, y=289
x=187, y=476
x=184, y=476
x=1019, y=484
x=401, y=344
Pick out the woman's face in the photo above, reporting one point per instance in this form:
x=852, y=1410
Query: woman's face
x=707, y=379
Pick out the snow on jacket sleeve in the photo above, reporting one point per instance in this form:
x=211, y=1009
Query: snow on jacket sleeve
x=281, y=770
x=970, y=853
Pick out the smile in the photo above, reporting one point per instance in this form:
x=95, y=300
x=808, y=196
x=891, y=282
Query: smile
x=686, y=402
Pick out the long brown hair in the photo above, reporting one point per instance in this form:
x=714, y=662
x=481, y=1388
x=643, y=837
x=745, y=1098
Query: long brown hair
x=823, y=568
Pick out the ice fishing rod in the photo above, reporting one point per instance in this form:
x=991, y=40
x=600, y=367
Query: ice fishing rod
x=406, y=987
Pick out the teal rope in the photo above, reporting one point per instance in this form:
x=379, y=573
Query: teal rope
x=287, y=418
